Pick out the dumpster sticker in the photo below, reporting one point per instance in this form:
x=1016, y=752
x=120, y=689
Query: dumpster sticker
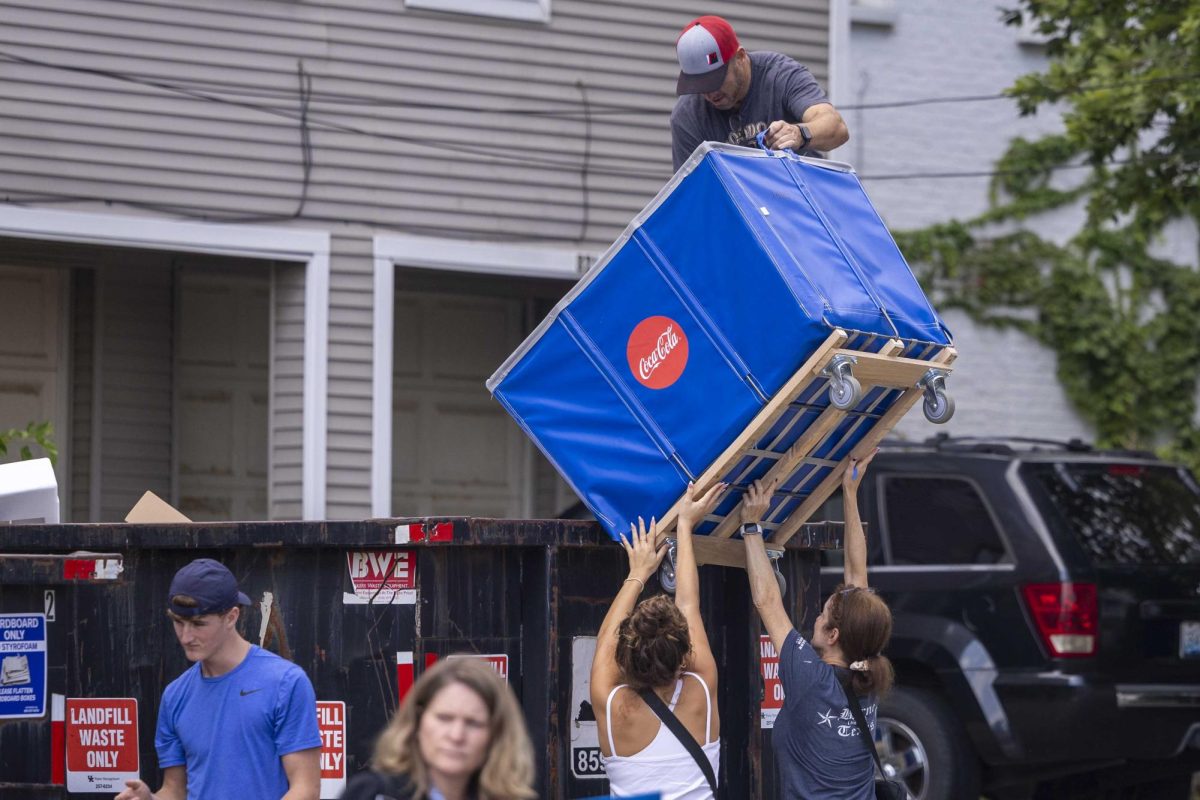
x=772, y=701
x=585, y=740
x=381, y=577
x=331, y=721
x=497, y=661
x=657, y=351
x=404, y=673
x=22, y=665
x=102, y=744
x=417, y=532
x=89, y=569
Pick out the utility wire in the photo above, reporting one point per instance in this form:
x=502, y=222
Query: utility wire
x=574, y=109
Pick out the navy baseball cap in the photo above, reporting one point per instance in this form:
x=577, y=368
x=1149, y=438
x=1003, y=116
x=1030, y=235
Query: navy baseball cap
x=210, y=584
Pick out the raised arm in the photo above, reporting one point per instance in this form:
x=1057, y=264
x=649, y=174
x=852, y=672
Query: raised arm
x=643, y=561
x=763, y=587
x=856, y=540
x=687, y=577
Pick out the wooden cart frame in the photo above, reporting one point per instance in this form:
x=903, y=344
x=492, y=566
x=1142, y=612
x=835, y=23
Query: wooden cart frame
x=894, y=374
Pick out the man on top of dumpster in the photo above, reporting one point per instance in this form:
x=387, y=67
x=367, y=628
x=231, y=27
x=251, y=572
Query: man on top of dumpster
x=241, y=722
x=729, y=95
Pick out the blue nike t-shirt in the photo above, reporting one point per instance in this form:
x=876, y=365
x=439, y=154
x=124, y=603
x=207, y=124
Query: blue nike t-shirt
x=231, y=731
x=815, y=737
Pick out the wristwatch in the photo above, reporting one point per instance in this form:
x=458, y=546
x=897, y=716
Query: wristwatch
x=805, y=134
x=751, y=529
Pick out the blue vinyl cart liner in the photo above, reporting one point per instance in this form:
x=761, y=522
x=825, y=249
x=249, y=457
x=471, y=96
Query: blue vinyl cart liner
x=709, y=301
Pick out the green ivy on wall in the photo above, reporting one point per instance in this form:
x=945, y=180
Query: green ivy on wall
x=1125, y=326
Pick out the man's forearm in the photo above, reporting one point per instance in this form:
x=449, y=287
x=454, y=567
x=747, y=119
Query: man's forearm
x=828, y=130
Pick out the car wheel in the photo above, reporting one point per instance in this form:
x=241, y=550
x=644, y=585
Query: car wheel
x=922, y=743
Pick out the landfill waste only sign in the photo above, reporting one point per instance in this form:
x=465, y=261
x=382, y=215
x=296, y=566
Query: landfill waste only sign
x=102, y=743
x=331, y=721
x=22, y=665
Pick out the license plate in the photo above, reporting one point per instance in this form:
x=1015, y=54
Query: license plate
x=1189, y=640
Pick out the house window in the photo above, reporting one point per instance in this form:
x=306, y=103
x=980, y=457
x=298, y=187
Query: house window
x=525, y=10
x=934, y=520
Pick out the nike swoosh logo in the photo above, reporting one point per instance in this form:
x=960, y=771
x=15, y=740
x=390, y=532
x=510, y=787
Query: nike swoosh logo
x=250, y=691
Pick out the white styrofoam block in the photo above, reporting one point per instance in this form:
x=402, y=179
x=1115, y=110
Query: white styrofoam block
x=28, y=492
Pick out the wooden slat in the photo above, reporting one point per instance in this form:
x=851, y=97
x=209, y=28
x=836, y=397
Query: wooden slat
x=764, y=419
x=723, y=552
x=804, y=446
x=881, y=428
x=883, y=370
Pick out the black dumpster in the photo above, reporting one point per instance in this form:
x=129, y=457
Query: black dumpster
x=364, y=607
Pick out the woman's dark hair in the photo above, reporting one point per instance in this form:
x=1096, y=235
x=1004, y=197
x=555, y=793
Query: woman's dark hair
x=864, y=624
x=653, y=644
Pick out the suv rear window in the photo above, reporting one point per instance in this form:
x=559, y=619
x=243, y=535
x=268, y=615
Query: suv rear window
x=1125, y=513
x=936, y=520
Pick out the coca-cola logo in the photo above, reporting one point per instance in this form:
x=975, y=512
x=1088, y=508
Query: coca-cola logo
x=657, y=352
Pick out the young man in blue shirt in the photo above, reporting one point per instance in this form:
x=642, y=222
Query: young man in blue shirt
x=241, y=722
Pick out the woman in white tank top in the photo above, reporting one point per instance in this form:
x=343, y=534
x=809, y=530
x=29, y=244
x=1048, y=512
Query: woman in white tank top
x=660, y=645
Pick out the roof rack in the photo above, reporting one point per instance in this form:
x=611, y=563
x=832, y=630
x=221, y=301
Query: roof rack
x=1010, y=445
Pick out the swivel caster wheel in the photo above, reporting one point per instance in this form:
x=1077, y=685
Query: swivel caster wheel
x=844, y=389
x=938, y=404
x=666, y=570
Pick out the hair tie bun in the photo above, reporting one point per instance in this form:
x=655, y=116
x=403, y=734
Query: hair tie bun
x=861, y=666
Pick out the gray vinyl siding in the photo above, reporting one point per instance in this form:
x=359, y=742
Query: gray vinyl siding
x=83, y=324
x=287, y=391
x=351, y=339
x=421, y=122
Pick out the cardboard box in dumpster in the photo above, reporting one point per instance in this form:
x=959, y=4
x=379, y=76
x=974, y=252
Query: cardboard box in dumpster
x=153, y=509
x=705, y=306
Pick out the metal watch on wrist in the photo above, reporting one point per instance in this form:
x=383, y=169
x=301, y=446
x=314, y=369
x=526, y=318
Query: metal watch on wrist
x=751, y=529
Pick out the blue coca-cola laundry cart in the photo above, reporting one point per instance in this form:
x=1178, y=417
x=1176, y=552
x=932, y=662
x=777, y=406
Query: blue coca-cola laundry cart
x=755, y=319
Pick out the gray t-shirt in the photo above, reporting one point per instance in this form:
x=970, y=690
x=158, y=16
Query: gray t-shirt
x=780, y=88
x=815, y=737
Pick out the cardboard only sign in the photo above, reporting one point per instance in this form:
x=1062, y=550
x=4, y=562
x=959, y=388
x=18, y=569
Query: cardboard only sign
x=102, y=744
x=331, y=721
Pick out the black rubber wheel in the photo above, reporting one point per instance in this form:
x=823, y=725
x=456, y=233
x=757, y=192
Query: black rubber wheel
x=922, y=743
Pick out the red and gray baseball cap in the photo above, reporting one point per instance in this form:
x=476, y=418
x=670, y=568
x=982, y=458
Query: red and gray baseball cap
x=705, y=47
x=210, y=584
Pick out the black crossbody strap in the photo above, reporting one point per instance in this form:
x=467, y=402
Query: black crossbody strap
x=681, y=733
x=864, y=733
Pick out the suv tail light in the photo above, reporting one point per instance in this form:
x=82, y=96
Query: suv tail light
x=1066, y=616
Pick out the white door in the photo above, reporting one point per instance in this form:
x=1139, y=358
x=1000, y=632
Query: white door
x=454, y=450
x=32, y=357
x=222, y=354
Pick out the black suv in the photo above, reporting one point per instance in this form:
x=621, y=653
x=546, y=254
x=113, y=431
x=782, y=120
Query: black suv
x=1047, y=619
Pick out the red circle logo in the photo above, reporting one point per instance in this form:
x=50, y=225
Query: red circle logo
x=657, y=352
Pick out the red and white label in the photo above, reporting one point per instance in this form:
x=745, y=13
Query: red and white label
x=404, y=673
x=331, y=721
x=102, y=744
x=772, y=701
x=497, y=661
x=657, y=352
x=430, y=532
x=381, y=577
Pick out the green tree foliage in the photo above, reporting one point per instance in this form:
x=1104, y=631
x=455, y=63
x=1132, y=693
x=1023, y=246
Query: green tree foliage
x=1125, y=326
x=40, y=434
